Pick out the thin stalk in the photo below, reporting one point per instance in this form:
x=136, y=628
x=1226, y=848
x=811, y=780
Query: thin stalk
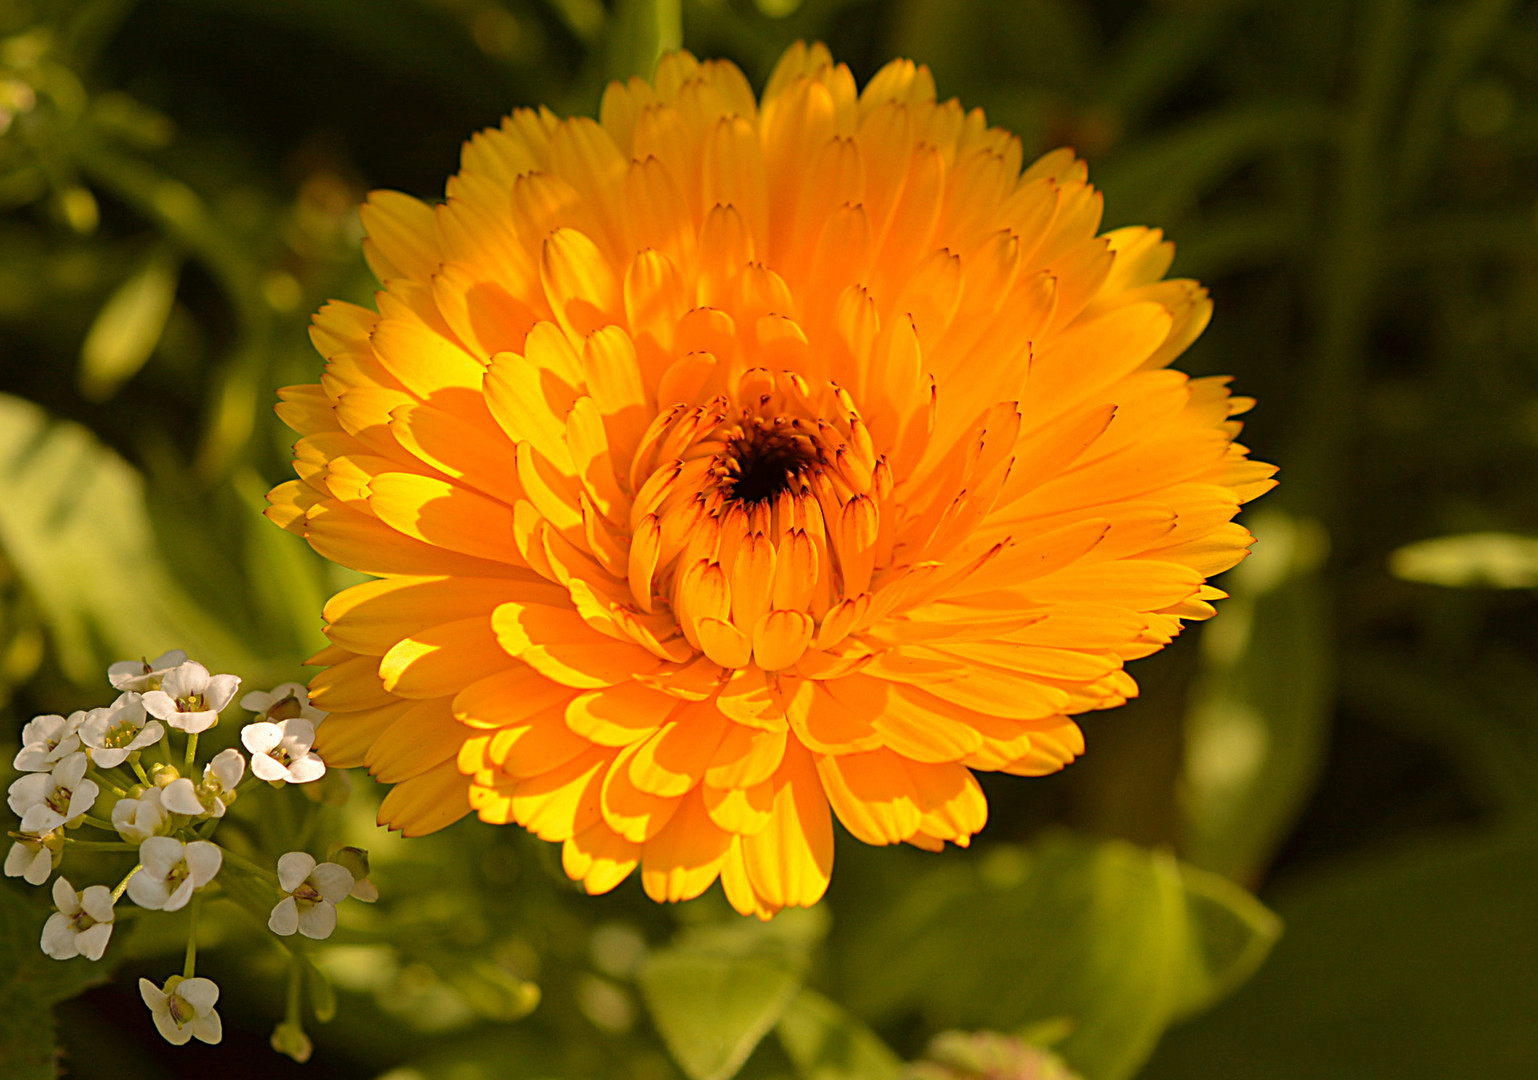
x=193, y=909
x=117, y=892
x=192, y=754
x=248, y=865
x=98, y=845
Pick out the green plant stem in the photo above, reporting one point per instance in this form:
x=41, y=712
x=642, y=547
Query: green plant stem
x=99, y=845
x=248, y=865
x=193, y=910
x=123, y=885
x=192, y=754
x=139, y=771
x=98, y=823
x=291, y=1013
x=101, y=778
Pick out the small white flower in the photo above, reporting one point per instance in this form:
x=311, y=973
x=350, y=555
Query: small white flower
x=111, y=734
x=82, y=924
x=214, y=794
x=172, y=872
x=313, y=894
x=32, y=858
x=284, y=702
x=136, y=820
x=282, y=751
x=46, y=739
x=47, y=800
x=185, y=1008
x=142, y=675
x=189, y=698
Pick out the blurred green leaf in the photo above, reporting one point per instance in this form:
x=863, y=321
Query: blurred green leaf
x=32, y=983
x=74, y=524
x=129, y=326
x=640, y=32
x=1416, y=965
x=1259, y=711
x=826, y=1043
x=719, y=989
x=1491, y=559
x=1102, y=935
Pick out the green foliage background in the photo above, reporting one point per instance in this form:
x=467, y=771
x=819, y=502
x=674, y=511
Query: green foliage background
x=1353, y=739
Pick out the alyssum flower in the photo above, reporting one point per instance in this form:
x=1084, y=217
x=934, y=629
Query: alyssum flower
x=82, y=924
x=172, y=871
x=184, y=1008
x=311, y=894
x=189, y=698
x=47, y=739
x=724, y=462
x=111, y=734
x=47, y=800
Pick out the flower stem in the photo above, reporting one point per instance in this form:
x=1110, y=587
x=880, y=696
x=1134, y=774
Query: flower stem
x=98, y=823
x=192, y=754
x=99, y=845
x=101, y=778
x=295, y=990
x=247, y=865
x=117, y=893
x=139, y=770
x=193, y=910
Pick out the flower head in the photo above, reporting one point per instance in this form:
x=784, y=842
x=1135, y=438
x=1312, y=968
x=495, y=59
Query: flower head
x=172, y=872
x=138, y=819
x=184, y=1009
x=46, y=739
x=82, y=924
x=283, y=702
x=111, y=734
x=311, y=895
x=142, y=675
x=189, y=698
x=47, y=800
x=282, y=751
x=33, y=856
x=213, y=796
x=726, y=465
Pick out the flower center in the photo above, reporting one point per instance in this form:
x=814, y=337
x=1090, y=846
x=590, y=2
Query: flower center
x=80, y=922
x=58, y=799
x=119, y=736
x=190, y=703
x=306, y=893
x=178, y=874
x=181, y=1012
x=287, y=709
x=767, y=459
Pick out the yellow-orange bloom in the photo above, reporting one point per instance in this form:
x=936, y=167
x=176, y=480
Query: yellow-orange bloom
x=722, y=463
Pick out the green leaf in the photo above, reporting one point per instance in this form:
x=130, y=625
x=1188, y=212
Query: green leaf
x=1490, y=559
x=129, y=326
x=1104, y=937
x=1411, y=965
x=719, y=989
x=1259, y=710
x=29, y=987
x=826, y=1043
x=74, y=524
x=639, y=33
x=1231, y=934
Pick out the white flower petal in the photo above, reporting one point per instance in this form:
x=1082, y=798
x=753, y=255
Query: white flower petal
x=69, y=771
x=59, y=937
x=204, y=859
x=96, y=900
x=18, y=859
x=159, y=854
x=260, y=737
x=209, y=1029
x=29, y=791
x=193, y=723
x=109, y=757
x=178, y=899
x=228, y=767
x=148, y=891
x=257, y=701
x=40, y=819
x=266, y=768
x=176, y=1036
x=318, y=920
x=153, y=996
x=284, y=920
x=93, y=942
x=149, y=735
x=160, y=704
x=332, y=881
x=221, y=690
x=64, y=896
x=185, y=680
x=168, y=659
x=82, y=799
x=202, y=994
x=298, y=734
x=308, y=768
x=180, y=796
x=293, y=868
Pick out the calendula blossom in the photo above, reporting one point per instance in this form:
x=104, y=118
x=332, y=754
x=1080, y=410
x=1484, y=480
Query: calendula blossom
x=729, y=465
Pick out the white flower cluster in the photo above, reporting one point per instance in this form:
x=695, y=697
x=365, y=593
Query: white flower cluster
x=119, y=757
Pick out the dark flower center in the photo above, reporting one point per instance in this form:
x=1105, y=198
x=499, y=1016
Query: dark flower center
x=767, y=459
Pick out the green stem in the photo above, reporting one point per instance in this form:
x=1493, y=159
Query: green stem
x=139, y=771
x=192, y=755
x=98, y=845
x=248, y=865
x=193, y=910
x=123, y=885
x=295, y=990
x=98, y=823
x=101, y=778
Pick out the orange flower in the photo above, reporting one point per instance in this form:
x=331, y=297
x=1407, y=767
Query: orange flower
x=722, y=463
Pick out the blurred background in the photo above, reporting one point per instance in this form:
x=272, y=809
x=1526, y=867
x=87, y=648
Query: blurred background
x=1354, y=740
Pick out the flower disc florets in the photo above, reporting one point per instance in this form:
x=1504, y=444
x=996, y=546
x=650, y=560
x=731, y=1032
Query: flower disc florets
x=727, y=465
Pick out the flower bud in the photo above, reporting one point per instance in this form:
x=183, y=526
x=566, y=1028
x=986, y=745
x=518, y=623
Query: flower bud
x=355, y=861
x=291, y=1040
x=162, y=774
